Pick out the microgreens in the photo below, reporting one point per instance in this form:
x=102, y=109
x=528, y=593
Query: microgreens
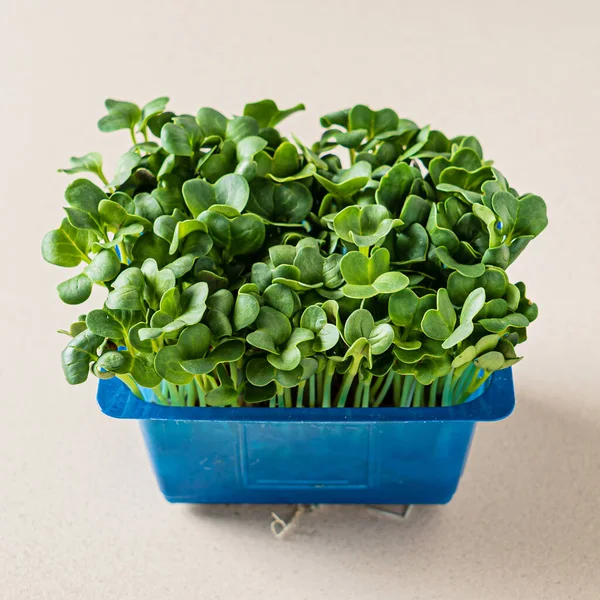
x=241, y=267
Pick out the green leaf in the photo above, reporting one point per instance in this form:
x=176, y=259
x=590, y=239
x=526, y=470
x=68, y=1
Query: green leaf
x=75, y=290
x=267, y=114
x=237, y=236
x=364, y=226
x=366, y=277
x=193, y=344
x=347, y=182
x=219, y=324
x=103, y=323
x=158, y=282
x=286, y=160
x=84, y=196
x=260, y=372
x=245, y=311
x=313, y=318
x=224, y=395
x=127, y=291
x=395, y=187
x=212, y=123
x=261, y=275
x=289, y=202
x=249, y=147
x=193, y=305
x=229, y=351
x=263, y=340
x=147, y=206
x=339, y=117
x=67, y=246
x=358, y=325
x=168, y=365
x=275, y=323
x=506, y=206
x=241, y=127
x=166, y=225
x=254, y=395
x=281, y=298
x=462, y=332
x=412, y=245
x=307, y=170
x=89, y=163
x=402, y=307
x=438, y=324
x=461, y=180
x=531, y=217
x=380, y=338
x=153, y=108
x=472, y=271
x=438, y=231
x=104, y=266
x=115, y=362
x=491, y=361
x=143, y=371
x=230, y=190
x=121, y=115
x=127, y=163
x=175, y=140
x=78, y=354
x=221, y=300
x=289, y=358
x=501, y=325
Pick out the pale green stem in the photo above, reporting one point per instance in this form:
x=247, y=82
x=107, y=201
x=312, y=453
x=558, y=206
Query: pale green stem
x=433, y=393
x=408, y=388
x=122, y=252
x=312, y=392
x=447, y=391
x=130, y=382
x=161, y=397
x=191, y=395
x=103, y=178
x=234, y=372
x=477, y=382
x=201, y=395
x=385, y=388
x=329, y=372
x=347, y=384
x=358, y=392
x=397, y=388
x=367, y=392
x=320, y=384
x=287, y=397
x=377, y=385
x=419, y=394
x=462, y=390
x=300, y=394
x=280, y=400
x=176, y=399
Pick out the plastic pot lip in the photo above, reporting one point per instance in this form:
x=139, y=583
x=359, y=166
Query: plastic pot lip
x=496, y=402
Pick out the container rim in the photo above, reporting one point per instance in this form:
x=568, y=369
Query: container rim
x=496, y=402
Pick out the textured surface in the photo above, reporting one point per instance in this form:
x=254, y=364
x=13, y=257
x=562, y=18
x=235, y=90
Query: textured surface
x=80, y=515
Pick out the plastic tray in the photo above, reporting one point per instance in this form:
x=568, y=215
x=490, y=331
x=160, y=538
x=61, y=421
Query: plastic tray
x=331, y=455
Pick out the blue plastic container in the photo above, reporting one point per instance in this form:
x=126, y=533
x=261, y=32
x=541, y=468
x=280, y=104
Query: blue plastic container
x=304, y=455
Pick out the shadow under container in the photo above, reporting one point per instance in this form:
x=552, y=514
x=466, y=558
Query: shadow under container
x=310, y=455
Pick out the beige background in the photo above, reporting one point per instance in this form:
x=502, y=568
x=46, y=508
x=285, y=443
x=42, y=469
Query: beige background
x=80, y=514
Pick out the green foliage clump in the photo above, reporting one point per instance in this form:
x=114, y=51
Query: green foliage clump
x=243, y=268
